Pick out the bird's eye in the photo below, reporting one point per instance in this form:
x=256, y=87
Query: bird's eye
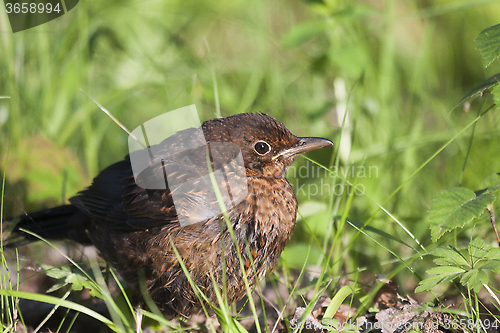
x=261, y=147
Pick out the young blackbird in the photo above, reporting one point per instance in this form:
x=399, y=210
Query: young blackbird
x=136, y=228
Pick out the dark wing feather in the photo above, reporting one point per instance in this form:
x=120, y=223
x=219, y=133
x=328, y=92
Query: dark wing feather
x=115, y=198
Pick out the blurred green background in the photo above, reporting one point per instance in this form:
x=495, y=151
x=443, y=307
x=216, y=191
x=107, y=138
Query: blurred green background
x=398, y=67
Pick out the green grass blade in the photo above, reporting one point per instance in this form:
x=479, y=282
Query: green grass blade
x=59, y=302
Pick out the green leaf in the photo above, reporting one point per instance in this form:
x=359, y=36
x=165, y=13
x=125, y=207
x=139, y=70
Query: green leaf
x=77, y=281
x=489, y=83
x=450, y=256
x=95, y=292
x=496, y=95
x=444, y=274
x=477, y=250
x=428, y=284
x=56, y=273
x=57, y=286
x=301, y=33
x=444, y=262
x=445, y=270
x=339, y=297
x=494, y=179
x=488, y=44
x=492, y=264
x=474, y=279
x=453, y=208
x=494, y=253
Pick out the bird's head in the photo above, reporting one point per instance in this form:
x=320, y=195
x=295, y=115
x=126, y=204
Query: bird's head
x=267, y=146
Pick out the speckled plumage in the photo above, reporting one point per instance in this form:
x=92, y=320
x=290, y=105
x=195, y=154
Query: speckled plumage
x=135, y=228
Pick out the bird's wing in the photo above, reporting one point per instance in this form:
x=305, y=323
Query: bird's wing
x=103, y=200
x=115, y=197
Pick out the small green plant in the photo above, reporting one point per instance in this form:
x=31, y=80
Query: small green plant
x=454, y=208
x=76, y=280
x=472, y=267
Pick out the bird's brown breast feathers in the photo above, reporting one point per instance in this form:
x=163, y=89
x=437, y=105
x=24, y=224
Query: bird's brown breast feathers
x=263, y=223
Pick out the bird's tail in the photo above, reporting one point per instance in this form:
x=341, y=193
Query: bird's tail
x=53, y=223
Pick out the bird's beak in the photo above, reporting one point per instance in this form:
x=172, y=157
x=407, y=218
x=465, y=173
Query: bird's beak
x=305, y=145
